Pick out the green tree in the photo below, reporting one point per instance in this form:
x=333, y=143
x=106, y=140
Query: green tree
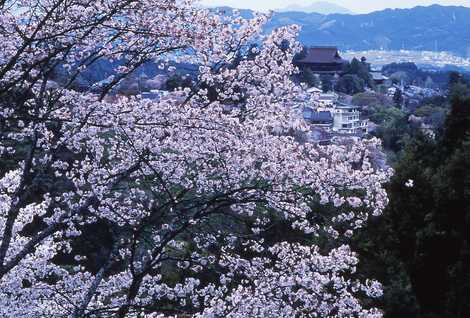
x=393, y=129
x=362, y=70
x=350, y=84
x=458, y=85
x=368, y=99
x=430, y=216
x=459, y=89
x=455, y=78
x=308, y=77
x=326, y=83
x=398, y=98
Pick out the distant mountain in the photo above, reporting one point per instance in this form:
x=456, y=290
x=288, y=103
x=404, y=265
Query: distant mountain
x=433, y=28
x=321, y=7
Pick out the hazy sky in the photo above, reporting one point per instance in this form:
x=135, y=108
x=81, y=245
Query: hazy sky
x=357, y=6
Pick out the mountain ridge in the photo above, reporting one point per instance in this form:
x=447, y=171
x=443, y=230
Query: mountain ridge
x=322, y=7
x=422, y=28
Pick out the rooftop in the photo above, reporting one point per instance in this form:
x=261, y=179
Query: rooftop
x=322, y=55
x=314, y=90
x=378, y=76
x=346, y=106
x=318, y=116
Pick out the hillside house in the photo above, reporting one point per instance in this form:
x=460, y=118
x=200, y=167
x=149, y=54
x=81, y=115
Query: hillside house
x=316, y=118
x=314, y=92
x=347, y=120
x=380, y=79
x=327, y=100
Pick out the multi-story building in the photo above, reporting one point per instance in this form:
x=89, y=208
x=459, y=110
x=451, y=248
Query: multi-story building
x=347, y=120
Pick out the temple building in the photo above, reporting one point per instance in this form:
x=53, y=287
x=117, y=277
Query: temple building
x=322, y=60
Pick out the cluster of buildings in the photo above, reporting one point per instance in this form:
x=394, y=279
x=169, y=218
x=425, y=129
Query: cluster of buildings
x=425, y=59
x=412, y=95
x=326, y=115
x=330, y=116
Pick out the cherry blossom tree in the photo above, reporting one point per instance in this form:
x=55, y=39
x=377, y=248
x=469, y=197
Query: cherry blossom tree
x=198, y=205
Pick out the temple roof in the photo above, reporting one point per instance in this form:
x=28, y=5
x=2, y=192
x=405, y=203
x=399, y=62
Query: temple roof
x=322, y=55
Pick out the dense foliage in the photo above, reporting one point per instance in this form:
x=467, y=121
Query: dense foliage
x=421, y=246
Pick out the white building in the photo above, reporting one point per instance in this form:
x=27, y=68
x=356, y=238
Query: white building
x=314, y=92
x=327, y=100
x=347, y=120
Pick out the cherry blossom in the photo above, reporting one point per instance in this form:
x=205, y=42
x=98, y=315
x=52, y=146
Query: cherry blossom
x=131, y=207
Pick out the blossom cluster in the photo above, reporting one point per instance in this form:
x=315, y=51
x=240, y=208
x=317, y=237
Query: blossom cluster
x=127, y=206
